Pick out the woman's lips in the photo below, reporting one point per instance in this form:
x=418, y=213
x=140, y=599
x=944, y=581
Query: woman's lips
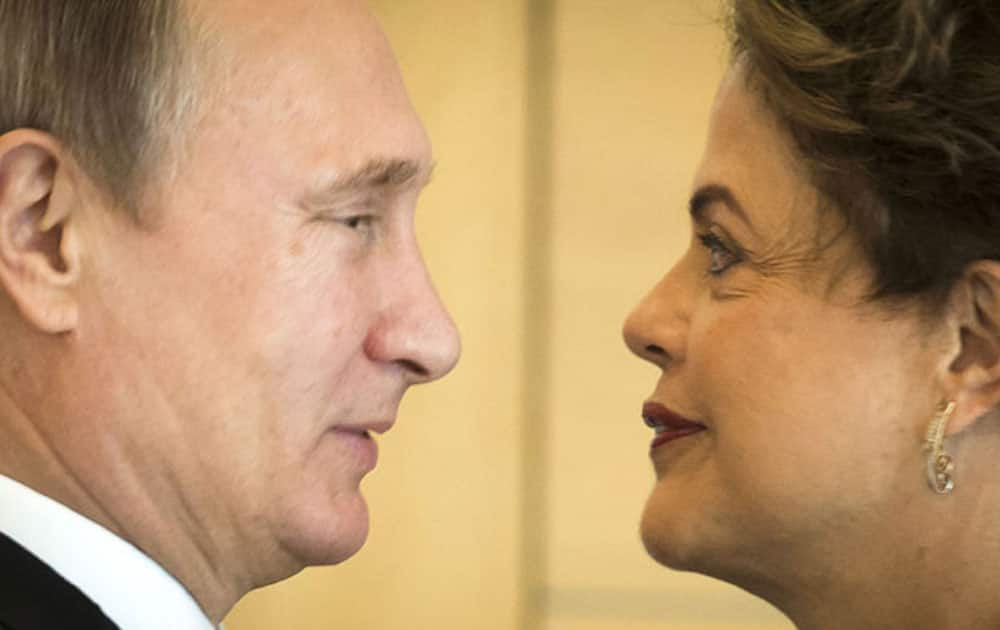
x=668, y=425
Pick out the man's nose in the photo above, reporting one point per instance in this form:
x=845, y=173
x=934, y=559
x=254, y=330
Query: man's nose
x=414, y=330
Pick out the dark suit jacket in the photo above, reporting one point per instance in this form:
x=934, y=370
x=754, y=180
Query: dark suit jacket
x=34, y=597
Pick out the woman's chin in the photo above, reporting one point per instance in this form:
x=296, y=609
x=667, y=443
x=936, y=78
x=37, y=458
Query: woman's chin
x=669, y=532
x=685, y=536
x=661, y=547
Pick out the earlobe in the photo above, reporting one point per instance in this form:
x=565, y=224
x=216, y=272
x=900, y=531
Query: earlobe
x=973, y=374
x=39, y=249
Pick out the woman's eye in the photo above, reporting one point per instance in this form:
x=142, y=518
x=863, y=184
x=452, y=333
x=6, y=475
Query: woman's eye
x=721, y=257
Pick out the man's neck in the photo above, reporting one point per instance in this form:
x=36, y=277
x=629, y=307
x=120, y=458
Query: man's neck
x=117, y=501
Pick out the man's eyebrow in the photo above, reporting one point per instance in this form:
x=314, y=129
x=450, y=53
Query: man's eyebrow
x=716, y=193
x=375, y=175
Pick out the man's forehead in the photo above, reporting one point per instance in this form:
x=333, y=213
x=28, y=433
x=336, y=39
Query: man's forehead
x=309, y=61
x=311, y=102
x=332, y=30
x=244, y=11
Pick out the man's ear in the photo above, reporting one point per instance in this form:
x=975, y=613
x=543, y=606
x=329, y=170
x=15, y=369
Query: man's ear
x=39, y=248
x=972, y=378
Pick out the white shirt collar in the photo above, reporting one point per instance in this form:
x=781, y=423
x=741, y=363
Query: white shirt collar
x=131, y=589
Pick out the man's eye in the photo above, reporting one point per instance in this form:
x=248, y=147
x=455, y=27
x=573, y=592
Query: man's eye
x=359, y=221
x=721, y=257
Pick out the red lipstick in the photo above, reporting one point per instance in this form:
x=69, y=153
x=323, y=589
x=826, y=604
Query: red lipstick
x=668, y=425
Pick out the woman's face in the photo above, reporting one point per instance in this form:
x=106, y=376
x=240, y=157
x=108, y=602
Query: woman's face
x=813, y=402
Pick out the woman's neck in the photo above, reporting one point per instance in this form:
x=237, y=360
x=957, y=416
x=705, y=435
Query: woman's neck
x=934, y=563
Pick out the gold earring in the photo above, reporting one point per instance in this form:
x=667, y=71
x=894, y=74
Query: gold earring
x=939, y=464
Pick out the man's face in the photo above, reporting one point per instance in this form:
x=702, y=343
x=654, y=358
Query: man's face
x=277, y=308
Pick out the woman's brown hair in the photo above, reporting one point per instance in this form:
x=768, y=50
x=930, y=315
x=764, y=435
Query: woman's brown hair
x=895, y=104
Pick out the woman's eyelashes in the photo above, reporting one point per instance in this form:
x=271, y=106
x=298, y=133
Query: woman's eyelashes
x=721, y=256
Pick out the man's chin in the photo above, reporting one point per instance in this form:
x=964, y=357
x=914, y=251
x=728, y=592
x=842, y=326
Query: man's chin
x=327, y=536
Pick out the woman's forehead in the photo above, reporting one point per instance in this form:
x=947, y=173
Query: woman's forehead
x=752, y=156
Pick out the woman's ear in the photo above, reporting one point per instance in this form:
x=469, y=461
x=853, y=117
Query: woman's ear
x=39, y=242
x=972, y=376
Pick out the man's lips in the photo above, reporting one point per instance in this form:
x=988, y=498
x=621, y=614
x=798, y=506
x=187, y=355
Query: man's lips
x=668, y=425
x=379, y=426
x=356, y=438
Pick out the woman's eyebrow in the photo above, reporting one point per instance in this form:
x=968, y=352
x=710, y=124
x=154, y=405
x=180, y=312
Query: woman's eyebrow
x=706, y=196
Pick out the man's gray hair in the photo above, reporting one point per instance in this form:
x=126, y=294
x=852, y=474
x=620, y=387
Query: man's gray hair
x=112, y=80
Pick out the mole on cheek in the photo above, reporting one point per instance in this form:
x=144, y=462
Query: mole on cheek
x=296, y=249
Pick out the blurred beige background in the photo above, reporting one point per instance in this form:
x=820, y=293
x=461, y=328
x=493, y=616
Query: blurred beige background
x=508, y=496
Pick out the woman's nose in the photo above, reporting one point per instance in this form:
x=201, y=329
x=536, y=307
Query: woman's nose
x=656, y=329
